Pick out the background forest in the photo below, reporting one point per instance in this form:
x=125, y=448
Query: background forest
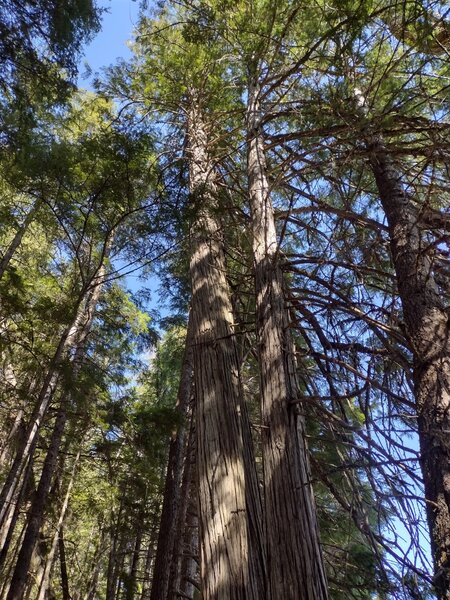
x=281, y=169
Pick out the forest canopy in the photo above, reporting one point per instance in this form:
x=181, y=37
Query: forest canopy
x=225, y=303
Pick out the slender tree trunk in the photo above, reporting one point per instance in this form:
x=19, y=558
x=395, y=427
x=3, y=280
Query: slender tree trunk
x=13, y=433
x=26, y=449
x=149, y=562
x=165, y=553
x=295, y=565
x=37, y=510
x=63, y=565
x=95, y=568
x=111, y=581
x=187, y=496
x=15, y=243
x=45, y=580
x=132, y=581
x=228, y=564
x=14, y=512
x=36, y=513
x=428, y=329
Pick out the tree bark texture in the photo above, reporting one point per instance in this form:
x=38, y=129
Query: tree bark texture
x=294, y=559
x=228, y=568
x=427, y=323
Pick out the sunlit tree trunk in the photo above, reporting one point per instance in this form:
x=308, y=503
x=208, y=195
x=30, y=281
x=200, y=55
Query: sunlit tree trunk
x=17, y=239
x=428, y=329
x=228, y=560
x=294, y=559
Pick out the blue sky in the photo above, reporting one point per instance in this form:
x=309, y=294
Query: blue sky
x=118, y=22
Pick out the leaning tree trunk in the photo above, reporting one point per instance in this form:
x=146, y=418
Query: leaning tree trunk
x=37, y=509
x=45, y=579
x=427, y=323
x=28, y=443
x=229, y=568
x=15, y=242
x=294, y=559
x=166, y=551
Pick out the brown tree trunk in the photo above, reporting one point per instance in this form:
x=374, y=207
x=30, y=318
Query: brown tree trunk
x=36, y=512
x=63, y=565
x=15, y=243
x=27, y=445
x=165, y=553
x=45, y=580
x=229, y=562
x=428, y=329
x=188, y=495
x=37, y=509
x=294, y=559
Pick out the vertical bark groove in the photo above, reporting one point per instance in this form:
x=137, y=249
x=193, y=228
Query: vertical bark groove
x=294, y=559
x=228, y=563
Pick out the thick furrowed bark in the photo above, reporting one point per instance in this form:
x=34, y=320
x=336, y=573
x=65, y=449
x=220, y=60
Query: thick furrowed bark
x=294, y=560
x=428, y=329
x=229, y=565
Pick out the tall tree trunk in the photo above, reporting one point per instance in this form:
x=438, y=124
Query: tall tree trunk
x=13, y=515
x=294, y=559
x=165, y=553
x=132, y=579
x=37, y=509
x=183, y=524
x=36, y=512
x=27, y=445
x=229, y=562
x=63, y=565
x=149, y=559
x=427, y=323
x=15, y=243
x=45, y=580
x=111, y=580
x=12, y=435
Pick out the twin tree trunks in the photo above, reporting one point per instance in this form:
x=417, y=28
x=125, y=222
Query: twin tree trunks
x=245, y=555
